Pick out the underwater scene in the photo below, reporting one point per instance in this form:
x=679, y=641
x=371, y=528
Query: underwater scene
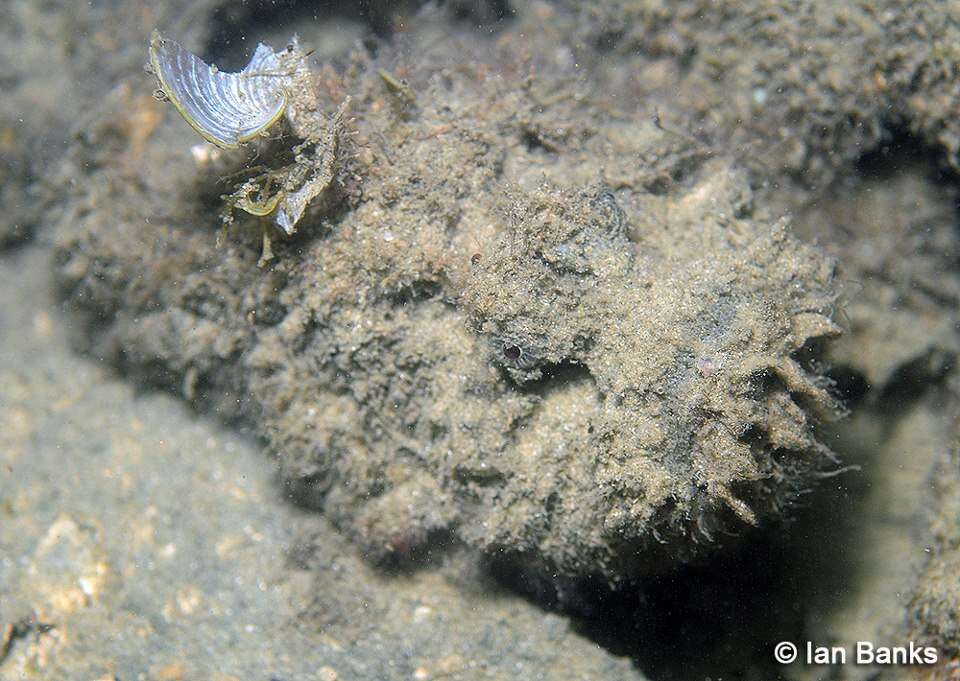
x=479, y=340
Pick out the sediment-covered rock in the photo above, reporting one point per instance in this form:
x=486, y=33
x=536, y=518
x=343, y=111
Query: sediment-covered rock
x=799, y=89
x=894, y=234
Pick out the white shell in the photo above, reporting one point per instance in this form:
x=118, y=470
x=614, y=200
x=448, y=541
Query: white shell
x=227, y=109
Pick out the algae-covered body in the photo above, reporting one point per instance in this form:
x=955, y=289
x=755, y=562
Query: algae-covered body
x=670, y=406
x=538, y=326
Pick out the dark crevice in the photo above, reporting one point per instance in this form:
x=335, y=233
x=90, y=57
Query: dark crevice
x=562, y=373
x=534, y=140
x=899, y=151
x=482, y=12
x=543, y=378
x=236, y=27
x=850, y=386
x=912, y=380
x=415, y=292
x=716, y=619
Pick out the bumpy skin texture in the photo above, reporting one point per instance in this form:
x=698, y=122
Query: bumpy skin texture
x=481, y=341
x=670, y=403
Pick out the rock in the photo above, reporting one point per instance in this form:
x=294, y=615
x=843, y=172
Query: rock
x=797, y=93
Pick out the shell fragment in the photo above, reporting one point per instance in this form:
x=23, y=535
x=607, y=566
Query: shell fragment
x=227, y=109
